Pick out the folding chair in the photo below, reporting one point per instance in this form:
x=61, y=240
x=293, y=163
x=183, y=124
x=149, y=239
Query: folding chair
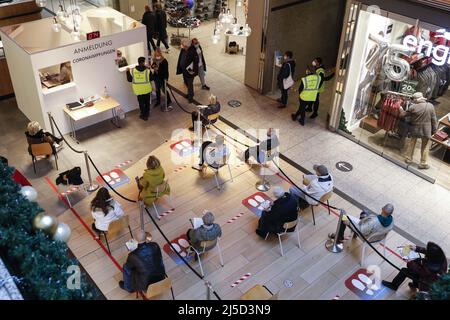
x=42, y=150
x=160, y=190
x=325, y=198
x=156, y=289
x=286, y=227
x=207, y=246
x=374, y=239
x=215, y=169
x=115, y=227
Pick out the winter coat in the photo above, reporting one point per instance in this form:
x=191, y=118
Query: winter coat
x=188, y=58
x=422, y=120
x=371, y=225
x=146, y=266
x=317, y=187
x=161, y=24
x=150, y=21
x=151, y=179
x=283, y=210
x=102, y=220
x=204, y=233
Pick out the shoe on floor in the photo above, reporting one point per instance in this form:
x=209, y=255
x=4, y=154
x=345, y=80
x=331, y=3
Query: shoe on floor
x=388, y=284
x=293, y=117
x=191, y=129
x=169, y=107
x=302, y=122
x=205, y=87
x=408, y=161
x=331, y=235
x=313, y=116
x=424, y=166
x=122, y=285
x=412, y=286
x=191, y=100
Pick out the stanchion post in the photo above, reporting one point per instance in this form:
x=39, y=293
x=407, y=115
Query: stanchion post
x=141, y=214
x=198, y=138
x=51, y=123
x=332, y=244
x=92, y=186
x=166, y=107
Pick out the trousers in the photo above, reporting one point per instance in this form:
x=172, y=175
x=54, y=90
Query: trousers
x=424, y=150
x=144, y=104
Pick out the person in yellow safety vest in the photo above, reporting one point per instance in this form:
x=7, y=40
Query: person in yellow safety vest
x=141, y=78
x=309, y=89
x=320, y=70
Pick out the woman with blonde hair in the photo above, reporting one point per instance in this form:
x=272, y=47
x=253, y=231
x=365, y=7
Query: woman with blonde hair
x=152, y=184
x=213, y=108
x=35, y=135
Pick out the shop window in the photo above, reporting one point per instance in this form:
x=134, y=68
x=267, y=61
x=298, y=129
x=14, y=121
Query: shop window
x=127, y=57
x=56, y=75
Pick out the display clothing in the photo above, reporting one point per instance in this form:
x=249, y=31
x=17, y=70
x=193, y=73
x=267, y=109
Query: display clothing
x=144, y=266
x=150, y=181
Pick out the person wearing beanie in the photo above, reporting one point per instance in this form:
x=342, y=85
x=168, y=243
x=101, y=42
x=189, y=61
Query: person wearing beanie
x=283, y=209
x=209, y=231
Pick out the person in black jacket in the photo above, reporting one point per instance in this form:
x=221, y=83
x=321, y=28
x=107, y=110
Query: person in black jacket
x=320, y=69
x=283, y=210
x=161, y=25
x=160, y=67
x=188, y=67
x=201, y=62
x=270, y=144
x=149, y=20
x=288, y=68
x=213, y=107
x=144, y=265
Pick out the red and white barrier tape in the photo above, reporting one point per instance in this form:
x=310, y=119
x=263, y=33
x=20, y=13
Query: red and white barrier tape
x=123, y=164
x=167, y=212
x=235, y=218
x=243, y=278
x=71, y=190
x=179, y=169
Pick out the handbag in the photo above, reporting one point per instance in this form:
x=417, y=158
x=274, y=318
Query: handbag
x=288, y=82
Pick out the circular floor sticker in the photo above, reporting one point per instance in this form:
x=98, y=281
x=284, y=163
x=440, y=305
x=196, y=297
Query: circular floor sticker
x=344, y=166
x=288, y=283
x=234, y=103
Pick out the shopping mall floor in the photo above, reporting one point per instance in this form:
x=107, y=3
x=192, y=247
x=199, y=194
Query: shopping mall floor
x=421, y=208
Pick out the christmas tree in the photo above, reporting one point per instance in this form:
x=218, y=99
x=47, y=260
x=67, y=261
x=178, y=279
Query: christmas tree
x=343, y=123
x=40, y=263
x=440, y=290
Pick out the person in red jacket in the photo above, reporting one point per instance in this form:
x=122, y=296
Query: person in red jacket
x=422, y=271
x=17, y=176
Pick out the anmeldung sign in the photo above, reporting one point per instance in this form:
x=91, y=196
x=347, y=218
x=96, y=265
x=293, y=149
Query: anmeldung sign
x=344, y=166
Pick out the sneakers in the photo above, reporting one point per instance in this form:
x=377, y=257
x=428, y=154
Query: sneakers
x=408, y=161
x=191, y=129
x=205, y=87
x=293, y=117
x=302, y=122
x=424, y=166
x=191, y=100
x=169, y=107
x=122, y=285
x=144, y=118
x=313, y=116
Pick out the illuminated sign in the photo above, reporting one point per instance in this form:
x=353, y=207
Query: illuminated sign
x=439, y=53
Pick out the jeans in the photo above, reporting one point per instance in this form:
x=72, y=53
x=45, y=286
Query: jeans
x=160, y=85
x=300, y=197
x=127, y=278
x=150, y=42
x=301, y=112
x=164, y=41
x=189, y=82
x=144, y=104
x=202, y=75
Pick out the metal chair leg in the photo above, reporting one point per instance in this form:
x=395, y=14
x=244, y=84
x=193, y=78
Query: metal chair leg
x=363, y=252
x=229, y=169
x=56, y=162
x=200, y=264
x=281, y=246
x=156, y=210
x=107, y=243
x=217, y=180
x=329, y=209
x=131, y=233
x=220, y=253
x=314, y=217
x=34, y=164
x=298, y=237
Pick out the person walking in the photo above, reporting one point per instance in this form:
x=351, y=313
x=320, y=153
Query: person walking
x=423, y=125
x=201, y=62
x=161, y=71
x=142, y=87
x=309, y=89
x=188, y=67
x=320, y=70
x=161, y=23
x=287, y=70
x=149, y=20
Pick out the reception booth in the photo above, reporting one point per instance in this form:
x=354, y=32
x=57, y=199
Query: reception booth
x=51, y=66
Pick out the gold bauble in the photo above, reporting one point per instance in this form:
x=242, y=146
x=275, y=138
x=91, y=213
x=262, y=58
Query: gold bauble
x=46, y=223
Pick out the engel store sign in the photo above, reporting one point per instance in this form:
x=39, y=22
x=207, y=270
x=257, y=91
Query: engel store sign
x=439, y=53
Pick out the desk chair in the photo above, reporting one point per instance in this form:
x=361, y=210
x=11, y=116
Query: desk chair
x=286, y=227
x=115, y=227
x=374, y=239
x=259, y=292
x=42, y=150
x=325, y=198
x=156, y=289
x=207, y=246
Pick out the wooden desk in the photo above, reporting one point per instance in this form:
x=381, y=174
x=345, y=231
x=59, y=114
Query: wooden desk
x=443, y=122
x=103, y=105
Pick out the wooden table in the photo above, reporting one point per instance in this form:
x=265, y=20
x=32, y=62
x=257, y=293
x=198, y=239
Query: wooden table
x=443, y=122
x=103, y=105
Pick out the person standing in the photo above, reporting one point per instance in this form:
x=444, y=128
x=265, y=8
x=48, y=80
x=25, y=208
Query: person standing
x=320, y=70
x=201, y=62
x=161, y=69
x=188, y=67
x=309, y=89
x=161, y=23
x=149, y=20
x=287, y=69
x=142, y=87
x=423, y=125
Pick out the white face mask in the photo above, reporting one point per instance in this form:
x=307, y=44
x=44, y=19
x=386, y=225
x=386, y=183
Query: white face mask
x=314, y=64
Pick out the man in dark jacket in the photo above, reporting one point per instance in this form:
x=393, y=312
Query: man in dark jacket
x=161, y=24
x=149, y=20
x=213, y=108
x=188, y=67
x=283, y=210
x=201, y=62
x=144, y=265
x=287, y=69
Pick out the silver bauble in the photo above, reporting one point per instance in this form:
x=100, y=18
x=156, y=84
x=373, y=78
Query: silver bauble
x=62, y=232
x=29, y=193
x=46, y=223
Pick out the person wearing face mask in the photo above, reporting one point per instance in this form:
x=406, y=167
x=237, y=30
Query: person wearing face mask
x=161, y=71
x=188, y=67
x=201, y=63
x=320, y=70
x=287, y=69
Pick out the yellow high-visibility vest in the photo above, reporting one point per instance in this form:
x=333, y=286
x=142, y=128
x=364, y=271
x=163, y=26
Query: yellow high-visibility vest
x=310, y=87
x=321, y=71
x=141, y=82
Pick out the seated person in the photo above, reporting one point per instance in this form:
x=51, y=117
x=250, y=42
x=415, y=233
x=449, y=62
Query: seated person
x=369, y=224
x=215, y=154
x=258, y=151
x=17, y=176
x=213, y=107
x=104, y=210
x=283, y=210
x=35, y=135
x=153, y=179
x=423, y=271
x=314, y=185
x=207, y=232
x=121, y=60
x=144, y=265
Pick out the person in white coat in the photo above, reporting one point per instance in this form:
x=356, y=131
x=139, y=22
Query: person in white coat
x=104, y=210
x=313, y=188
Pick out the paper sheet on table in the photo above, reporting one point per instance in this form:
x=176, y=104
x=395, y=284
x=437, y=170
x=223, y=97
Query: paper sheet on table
x=408, y=254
